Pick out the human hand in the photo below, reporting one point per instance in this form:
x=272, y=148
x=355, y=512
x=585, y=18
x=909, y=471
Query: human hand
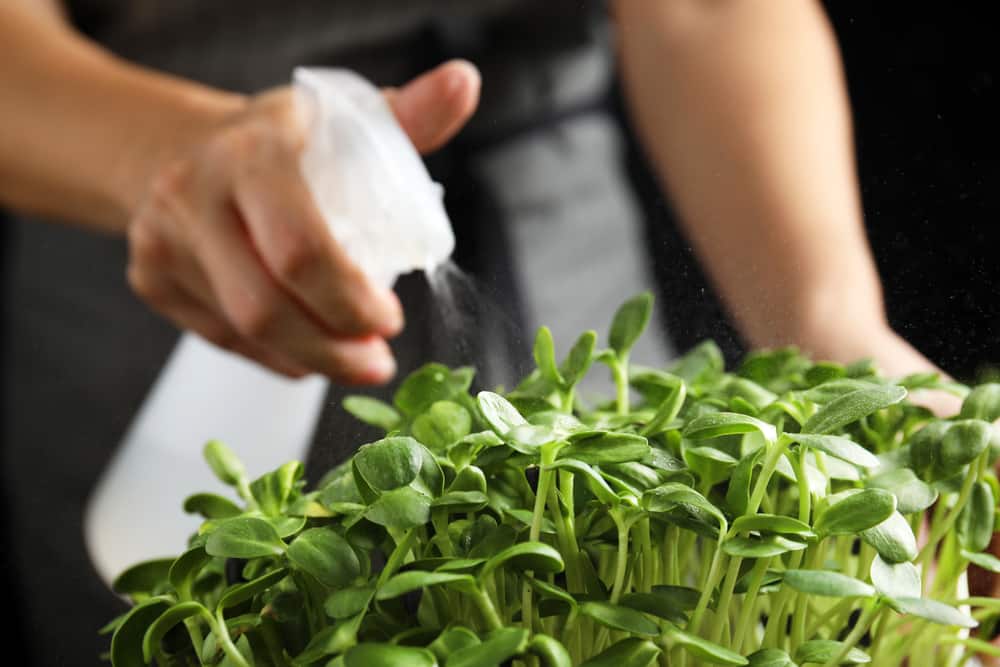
x=229, y=244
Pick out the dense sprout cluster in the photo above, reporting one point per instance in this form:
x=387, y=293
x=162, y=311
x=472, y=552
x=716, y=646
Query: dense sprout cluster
x=767, y=516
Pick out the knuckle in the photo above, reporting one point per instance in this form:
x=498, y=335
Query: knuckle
x=146, y=246
x=172, y=182
x=244, y=141
x=293, y=257
x=255, y=318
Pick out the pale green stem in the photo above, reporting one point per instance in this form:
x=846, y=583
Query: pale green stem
x=860, y=628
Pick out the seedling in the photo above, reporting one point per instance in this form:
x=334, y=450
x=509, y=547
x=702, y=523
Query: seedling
x=766, y=517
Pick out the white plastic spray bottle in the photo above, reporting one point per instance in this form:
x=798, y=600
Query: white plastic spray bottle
x=382, y=207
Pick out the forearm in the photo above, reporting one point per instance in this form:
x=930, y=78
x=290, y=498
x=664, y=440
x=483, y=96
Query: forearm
x=743, y=109
x=81, y=131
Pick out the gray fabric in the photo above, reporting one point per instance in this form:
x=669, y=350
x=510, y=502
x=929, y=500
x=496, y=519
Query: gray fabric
x=80, y=351
x=576, y=231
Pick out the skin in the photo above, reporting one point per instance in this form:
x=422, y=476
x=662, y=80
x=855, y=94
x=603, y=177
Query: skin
x=741, y=104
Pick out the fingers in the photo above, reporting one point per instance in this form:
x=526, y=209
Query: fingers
x=433, y=107
x=301, y=254
x=187, y=310
x=263, y=313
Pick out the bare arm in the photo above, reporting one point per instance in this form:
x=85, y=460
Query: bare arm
x=83, y=132
x=743, y=109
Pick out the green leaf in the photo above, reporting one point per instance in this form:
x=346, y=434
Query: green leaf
x=629, y=652
x=348, y=602
x=326, y=556
x=444, y=422
x=983, y=402
x=850, y=407
x=895, y=580
x=704, y=649
x=545, y=357
x=673, y=494
x=668, y=410
x=407, y=582
x=702, y=363
x=893, y=539
x=841, y=448
x=498, y=412
x=241, y=593
x=400, y=509
x=827, y=584
x=244, y=537
x=429, y=384
x=224, y=463
x=389, y=463
x=330, y=640
x=629, y=322
x=548, y=591
x=761, y=547
x=710, y=464
x=770, y=583
x=770, y=657
x=578, y=361
x=738, y=493
x=772, y=523
x=963, y=443
x=388, y=655
x=373, y=411
x=925, y=446
x=537, y=557
x=500, y=646
x=185, y=569
x=272, y=490
x=988, y=562
x=716, y=424
x=527, y=516
x=550, y=650
x=656, y=604
x=286, y=526
x=620, y=618
x=933, y=611
x=830, y=390
x=912, y=494
x=451, y=640
x=211, y=506
x=975, y=524
x=821, y=651
x=529, y=438
x=159, y=628
x=145, y=578
x=126, y=643
x=461, y=502
x=607, y=447
x=856, y=513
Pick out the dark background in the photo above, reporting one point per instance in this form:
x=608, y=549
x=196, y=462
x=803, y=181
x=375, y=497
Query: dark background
x=923, y=86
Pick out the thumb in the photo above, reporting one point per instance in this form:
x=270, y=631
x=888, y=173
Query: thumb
x=433, y=107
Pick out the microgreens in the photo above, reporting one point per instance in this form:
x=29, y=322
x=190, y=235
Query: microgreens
x=766, y=517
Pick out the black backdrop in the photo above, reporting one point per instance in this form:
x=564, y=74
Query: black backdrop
x=923, y=85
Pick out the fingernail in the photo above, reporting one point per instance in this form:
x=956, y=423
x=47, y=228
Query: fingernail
x=393, y=319
x=381, y=368
x=462, y=72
